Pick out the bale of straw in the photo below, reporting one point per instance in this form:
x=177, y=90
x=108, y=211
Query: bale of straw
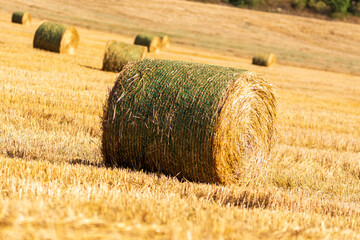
x=264, y=59
x=152, y=42
x=56, y=37
x=118, y=54
x=165, y=41
x=200, y=122
x=21, y=18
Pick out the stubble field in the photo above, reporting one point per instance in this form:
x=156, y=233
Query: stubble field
x=53, y=184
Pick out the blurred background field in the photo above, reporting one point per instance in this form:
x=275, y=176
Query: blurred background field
x=331, y=45
x=53, y=184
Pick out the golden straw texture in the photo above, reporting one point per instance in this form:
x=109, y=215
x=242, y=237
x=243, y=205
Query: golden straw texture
x=56, y=37
x=264, y=59
x=152, y=42
x=194, y=121
x=117, y=54
x=21, y=17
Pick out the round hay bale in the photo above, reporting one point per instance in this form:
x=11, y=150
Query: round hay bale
x=199, y=122
x=56, y=37
x=165, y=41
x=264, y=59
x=152, y=42
x=118, y=54
x=21, y=18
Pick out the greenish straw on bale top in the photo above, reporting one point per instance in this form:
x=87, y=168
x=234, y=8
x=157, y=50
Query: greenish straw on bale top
x=56, y=37
x=200, y=122
x=21, y=17
x=152, y=42
x=264, y=59
x=117, y=54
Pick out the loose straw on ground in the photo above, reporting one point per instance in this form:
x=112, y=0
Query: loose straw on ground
x=56, y=37
x=117, y=54
x=21, y=17
x=152, y=42
x=264, y=59
x=199, y=122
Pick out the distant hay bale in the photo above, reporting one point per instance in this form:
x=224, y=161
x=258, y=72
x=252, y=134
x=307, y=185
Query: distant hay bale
x=21, y=17
x=152, y=42
x=118, y=54
x=165, y=41
x=56, y=37
x=199, y=122
x=264, y=59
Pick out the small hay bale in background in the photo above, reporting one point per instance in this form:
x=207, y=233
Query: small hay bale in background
x=152, y=42
x=56, y=37
x=264, y=59
x=118, y=54
x=165, y=41
x=21, y=17
x=200, y=122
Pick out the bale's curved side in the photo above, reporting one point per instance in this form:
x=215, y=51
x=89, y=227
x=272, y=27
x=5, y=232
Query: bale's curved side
x=21, y=18
x=152, y=42
x=56, y=37
x=178, y=118
x=264, y=59
x=118, y=54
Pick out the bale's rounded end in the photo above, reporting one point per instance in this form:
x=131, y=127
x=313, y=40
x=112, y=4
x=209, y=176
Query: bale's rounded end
x=155, y=45
x=244, y=130
x=272, y=59
x=165, y=41
x=143, y=53
x=69, y=41
x=26, y=18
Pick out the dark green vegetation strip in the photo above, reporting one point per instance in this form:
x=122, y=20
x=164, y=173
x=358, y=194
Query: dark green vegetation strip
x=334, y=8
x=161, y=115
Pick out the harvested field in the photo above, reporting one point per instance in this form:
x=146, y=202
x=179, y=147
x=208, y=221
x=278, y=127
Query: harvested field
x=53, y=181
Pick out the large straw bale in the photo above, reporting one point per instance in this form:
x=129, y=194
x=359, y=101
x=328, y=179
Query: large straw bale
x=21, y=17
x=264, y=59
x=152, y=42
x=56, y=37
x=118, y=54
x=194, y=121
